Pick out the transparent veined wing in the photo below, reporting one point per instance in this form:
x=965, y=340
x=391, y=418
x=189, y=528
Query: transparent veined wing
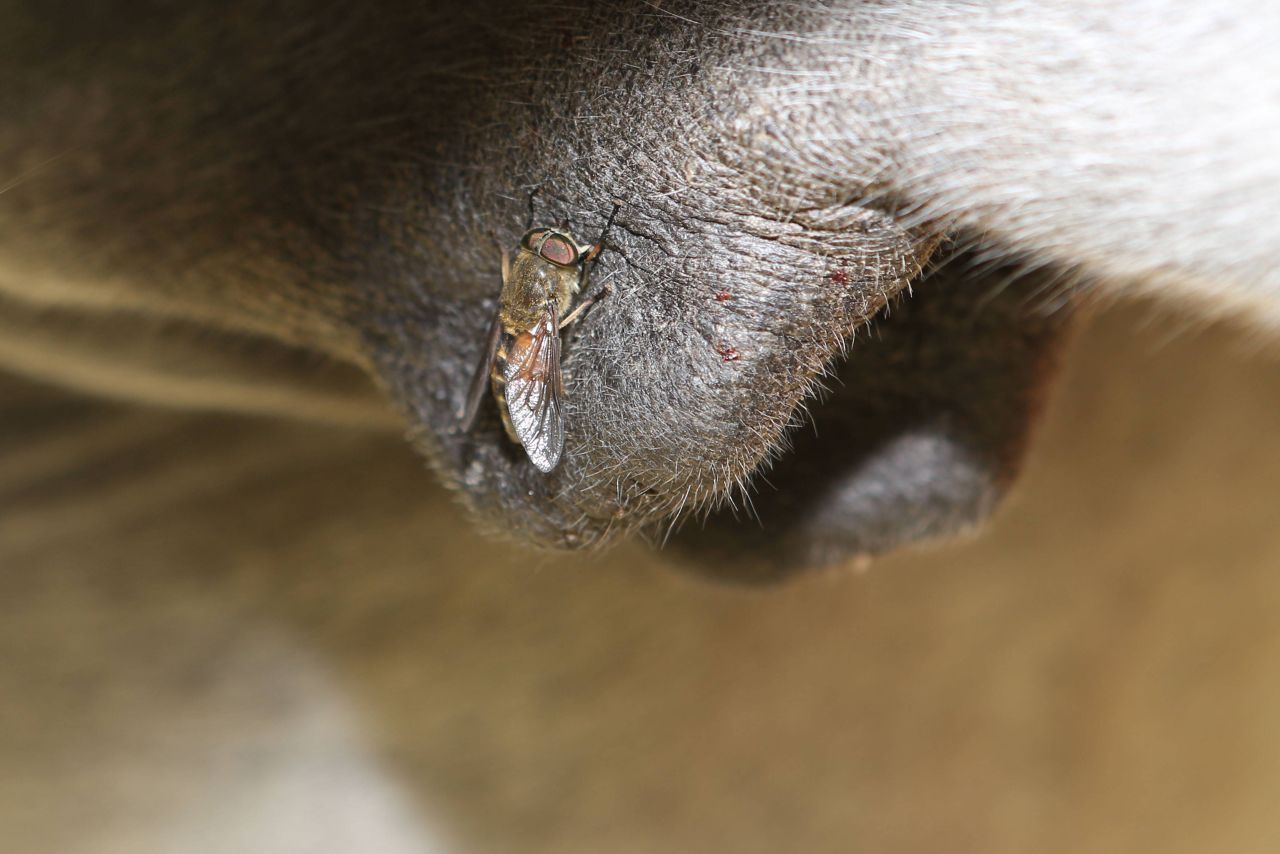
x=535, y=391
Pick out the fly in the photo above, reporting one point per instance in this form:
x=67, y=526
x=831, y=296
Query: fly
x=522, y=355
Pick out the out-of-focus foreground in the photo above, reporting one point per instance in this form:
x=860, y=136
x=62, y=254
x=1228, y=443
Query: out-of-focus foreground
x=228, y=635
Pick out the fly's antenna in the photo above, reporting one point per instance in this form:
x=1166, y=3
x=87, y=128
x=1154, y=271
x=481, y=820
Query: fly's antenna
x=533, y=194
x=594, y=252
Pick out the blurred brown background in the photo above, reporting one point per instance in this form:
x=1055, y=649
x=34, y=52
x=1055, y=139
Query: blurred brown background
x=231, y=635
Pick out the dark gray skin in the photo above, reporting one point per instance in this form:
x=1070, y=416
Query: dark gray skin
x=293, y=196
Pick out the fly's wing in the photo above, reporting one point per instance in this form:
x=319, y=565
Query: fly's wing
x=535, y=389
x=480, y=379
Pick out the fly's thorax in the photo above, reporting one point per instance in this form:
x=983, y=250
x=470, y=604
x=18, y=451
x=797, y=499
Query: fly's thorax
x=533, y=283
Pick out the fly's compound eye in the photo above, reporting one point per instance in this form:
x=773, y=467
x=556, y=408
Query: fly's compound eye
x=533, y=238
x=557, y=250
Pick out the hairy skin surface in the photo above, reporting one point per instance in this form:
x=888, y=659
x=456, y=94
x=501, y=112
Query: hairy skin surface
x=325, y=183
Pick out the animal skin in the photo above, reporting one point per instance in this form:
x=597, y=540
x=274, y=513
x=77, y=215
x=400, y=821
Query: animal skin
x=857, y=244
x=219, y=200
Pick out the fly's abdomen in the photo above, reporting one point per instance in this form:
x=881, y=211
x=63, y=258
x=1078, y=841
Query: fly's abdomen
x=498, y=379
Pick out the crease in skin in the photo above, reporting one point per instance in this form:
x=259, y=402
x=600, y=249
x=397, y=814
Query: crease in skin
x=242, y=373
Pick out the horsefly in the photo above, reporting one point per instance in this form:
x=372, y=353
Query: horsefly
x=521, y=358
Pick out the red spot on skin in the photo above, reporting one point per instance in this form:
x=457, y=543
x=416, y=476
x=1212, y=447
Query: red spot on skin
x=840, y=277
x=728, y=354
x=723, y=296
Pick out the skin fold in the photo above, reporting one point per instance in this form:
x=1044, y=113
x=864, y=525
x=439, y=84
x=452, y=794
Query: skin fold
x=322, y=191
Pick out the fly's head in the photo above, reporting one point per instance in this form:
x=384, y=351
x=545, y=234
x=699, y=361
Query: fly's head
x=554, y=247
x=549, y=268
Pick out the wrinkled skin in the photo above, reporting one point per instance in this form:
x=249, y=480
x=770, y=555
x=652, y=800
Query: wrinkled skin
x=256, y=206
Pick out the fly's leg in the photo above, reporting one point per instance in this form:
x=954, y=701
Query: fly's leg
x=586, y=303
x=480, y=379
x=588, y=263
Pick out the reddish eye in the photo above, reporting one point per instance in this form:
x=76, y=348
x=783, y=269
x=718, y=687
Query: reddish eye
x=558, y=251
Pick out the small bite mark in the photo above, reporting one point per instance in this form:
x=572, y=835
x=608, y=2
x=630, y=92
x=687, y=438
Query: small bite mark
x=728, y=354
